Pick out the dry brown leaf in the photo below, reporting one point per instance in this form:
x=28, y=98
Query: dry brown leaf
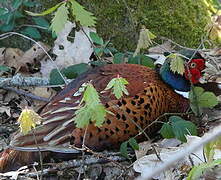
x=35, y=54
x=12, y=57
x=43, y=92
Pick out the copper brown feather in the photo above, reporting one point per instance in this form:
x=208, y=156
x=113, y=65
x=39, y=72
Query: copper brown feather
x=149, y=97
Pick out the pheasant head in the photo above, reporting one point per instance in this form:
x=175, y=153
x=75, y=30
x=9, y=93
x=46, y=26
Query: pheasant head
x=192, y=73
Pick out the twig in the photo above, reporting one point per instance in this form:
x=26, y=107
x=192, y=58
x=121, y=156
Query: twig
x=212, y=135
x=39, y=152
x=180, y=46
x=19, y=80
x=76, y=163
x=24, y=93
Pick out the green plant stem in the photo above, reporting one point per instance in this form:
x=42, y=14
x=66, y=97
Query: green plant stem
x=39, y=152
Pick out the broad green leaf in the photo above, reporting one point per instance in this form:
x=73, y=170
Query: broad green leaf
x=166, y=131
x=18, y=15
x=99, y=51
x=197, y=171
x=4, y=68
x=98, y=63
x=142, y=60
x=16, y=4
x=123, y=149
x=31, y=32
x=118, y=58
x=198, y=111
x=30, y=3
x=73, y=71
x=48, y=11
x=197, y=91
x=55, y=78
x=176, y=64
x=133, y=143
x=181, y=128
x=28, y=120
x=3, y=11
x=60, y=19
x=96, y=39
x=118, y=86
x=40, y=21
x=208, y=99
x=85, y=18
x=8, y=27
x=199, y=98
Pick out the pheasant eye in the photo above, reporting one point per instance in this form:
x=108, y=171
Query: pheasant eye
x=192, y=65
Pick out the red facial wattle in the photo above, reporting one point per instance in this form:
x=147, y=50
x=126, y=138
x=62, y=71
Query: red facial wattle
x=194, y=70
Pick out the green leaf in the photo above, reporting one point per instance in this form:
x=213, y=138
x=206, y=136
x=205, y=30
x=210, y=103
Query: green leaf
x=176, y=64
x=30, y=4
x=55, y=78
x=85, y=18
x=133, y=143
x=73, y=71
x=60, y=19
x=82, y=116
x=48, y=11
x=166, y=131
x=92, y=110
x=8, y=27
x=91, y=95
x=181, y=128
x=199, y=98
x=16, y=4
x=18, y=15
x=198, y=111
x=123, y=149
x=3, y=11
x=99, y=51
x=208, y=99
x=31, y=32
x=209, y=148
x=142, y=60
x=118, y=58
x=118, y=85
x=197, y=171
x=5, y=68
x=96, y=39
x=98, y=63
x=98, y=114
x=40, y=21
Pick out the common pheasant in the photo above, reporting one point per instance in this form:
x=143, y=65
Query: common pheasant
x=149, y=97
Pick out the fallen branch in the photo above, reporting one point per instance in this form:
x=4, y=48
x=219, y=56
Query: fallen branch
x=89, y=160
x=24, y=93
x=19, y=80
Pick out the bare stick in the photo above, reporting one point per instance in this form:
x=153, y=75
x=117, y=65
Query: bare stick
x=190, y=148
x=24, y=93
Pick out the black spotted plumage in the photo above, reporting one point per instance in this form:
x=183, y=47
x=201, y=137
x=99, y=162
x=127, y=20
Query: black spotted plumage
x=149, y=97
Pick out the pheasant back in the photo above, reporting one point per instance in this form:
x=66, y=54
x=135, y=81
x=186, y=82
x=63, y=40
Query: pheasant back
x=149, y=97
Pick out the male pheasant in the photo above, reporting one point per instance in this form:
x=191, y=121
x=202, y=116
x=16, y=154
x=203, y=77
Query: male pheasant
x=149, y=97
